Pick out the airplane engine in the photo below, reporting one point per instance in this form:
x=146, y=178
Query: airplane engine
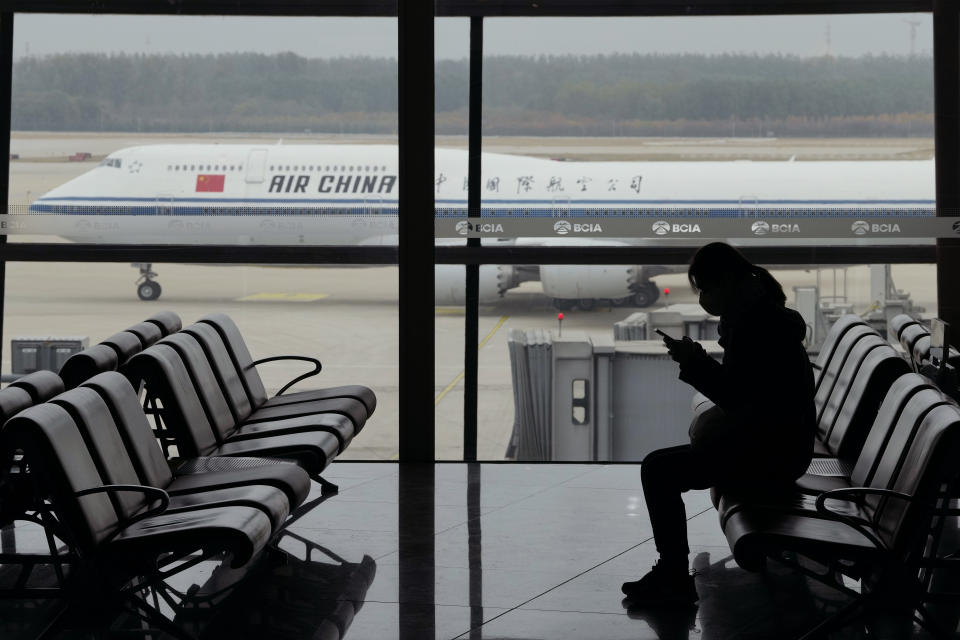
x=584, y=285
x=495, y=280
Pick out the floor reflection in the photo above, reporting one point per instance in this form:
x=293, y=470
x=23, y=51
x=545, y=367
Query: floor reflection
x=310, y=593
x=417, y=551
x=471, y=551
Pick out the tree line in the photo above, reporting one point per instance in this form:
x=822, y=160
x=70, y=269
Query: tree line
x=544, y=95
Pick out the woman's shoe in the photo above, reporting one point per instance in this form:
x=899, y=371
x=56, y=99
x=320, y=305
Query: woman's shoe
x=662, y=587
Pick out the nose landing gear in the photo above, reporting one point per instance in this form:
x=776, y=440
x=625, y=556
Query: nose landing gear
x=147, y=288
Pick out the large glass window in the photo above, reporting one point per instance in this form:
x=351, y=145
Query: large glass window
x=213, y=131
x=652, y=132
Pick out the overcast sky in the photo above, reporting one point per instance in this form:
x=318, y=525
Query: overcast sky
x=328, y=37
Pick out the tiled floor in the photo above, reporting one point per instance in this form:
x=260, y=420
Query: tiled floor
x=484, y=551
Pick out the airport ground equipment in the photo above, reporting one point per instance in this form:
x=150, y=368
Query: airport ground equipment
x=48, y=353
x=588, y=398
x=532, y=373
x=894, y=533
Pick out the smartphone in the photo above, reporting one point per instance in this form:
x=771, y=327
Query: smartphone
x=666, y=338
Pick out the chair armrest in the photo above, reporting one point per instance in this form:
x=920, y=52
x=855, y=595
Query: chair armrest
x=849, y=494
x=316, y=368
x=148, y=491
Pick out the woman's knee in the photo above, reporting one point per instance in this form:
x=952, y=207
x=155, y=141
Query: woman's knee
x=663, y=462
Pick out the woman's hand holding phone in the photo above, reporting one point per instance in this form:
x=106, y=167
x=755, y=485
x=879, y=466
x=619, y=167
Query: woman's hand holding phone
x=681, y=350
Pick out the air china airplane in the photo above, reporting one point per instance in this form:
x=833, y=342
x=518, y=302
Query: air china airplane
x=347, y=195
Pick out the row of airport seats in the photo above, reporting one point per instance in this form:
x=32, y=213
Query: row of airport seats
x=875, y=504
x=81, y=460
x=202, y=387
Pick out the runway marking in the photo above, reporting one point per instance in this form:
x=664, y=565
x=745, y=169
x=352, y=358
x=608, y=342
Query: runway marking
x=460, y=375
x=285, y=297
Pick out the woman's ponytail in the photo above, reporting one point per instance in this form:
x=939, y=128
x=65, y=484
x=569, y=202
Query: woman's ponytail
x=772, y=288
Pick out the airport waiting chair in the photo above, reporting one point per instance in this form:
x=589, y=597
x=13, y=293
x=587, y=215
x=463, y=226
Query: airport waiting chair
x=247, y=369
x=221, y=414
x=832, y=372
x=83, y=365
x=818, y=480
x=909, y=337
x=31, y=389
x=232, y=385
x=124, y=538
x=181, y=410
x=829, y=347
x=147, y=332
x=869, y=371
x=106, y=447
x=41, y=385
x=188, y=475
x=125, y=344
x=900, y=322
x=886, y=533
x=848, y=416
x=167, y=321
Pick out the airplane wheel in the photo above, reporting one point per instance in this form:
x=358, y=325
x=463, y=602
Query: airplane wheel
x=622, y=302
x=148, y=290
x=654, y=291
x=587, y=303
x=563, y=304
x=645, y=297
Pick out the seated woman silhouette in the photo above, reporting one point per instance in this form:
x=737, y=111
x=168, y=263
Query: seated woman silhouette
x=759, y=437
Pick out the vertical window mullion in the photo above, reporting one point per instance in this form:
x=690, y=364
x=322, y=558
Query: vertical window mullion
x=471, y=338
x=946, y=90
x=415, y=226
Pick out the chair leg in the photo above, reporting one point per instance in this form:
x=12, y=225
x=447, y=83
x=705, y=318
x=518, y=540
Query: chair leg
x=143, y=610
x=327, y=487
x=929, y=622
x=838, y=620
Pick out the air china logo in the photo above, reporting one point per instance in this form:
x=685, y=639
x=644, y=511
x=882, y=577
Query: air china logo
x=862, y=227
x=762, y=227
x=464, y=227
x=662, y=227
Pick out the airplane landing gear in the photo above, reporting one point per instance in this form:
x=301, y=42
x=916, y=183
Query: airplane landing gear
x=646, y=295
x=147, y=289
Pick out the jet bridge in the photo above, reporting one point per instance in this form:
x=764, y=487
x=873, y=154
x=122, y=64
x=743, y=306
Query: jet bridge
x=580, y=397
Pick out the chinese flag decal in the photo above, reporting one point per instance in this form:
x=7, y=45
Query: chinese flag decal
x=207, y=182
